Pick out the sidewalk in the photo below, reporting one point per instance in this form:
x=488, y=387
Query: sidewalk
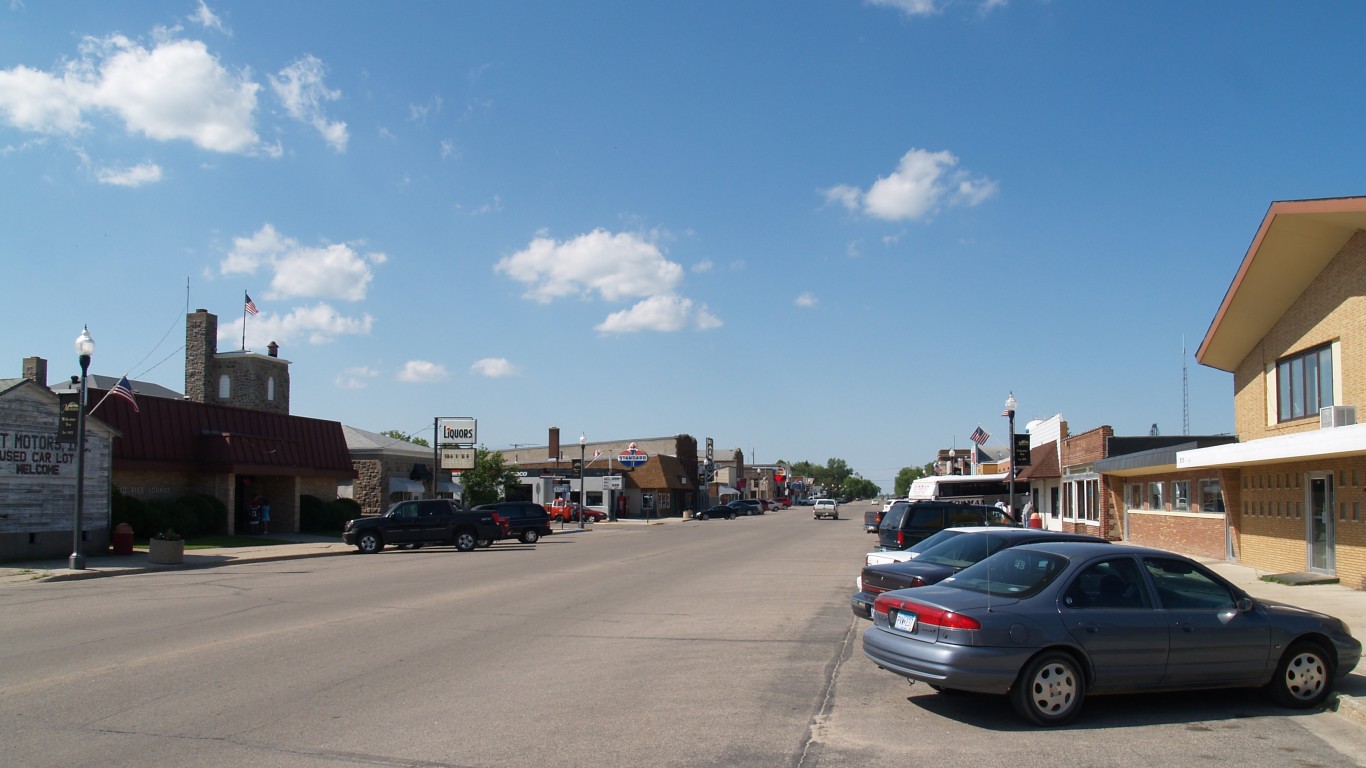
x=1333, y=599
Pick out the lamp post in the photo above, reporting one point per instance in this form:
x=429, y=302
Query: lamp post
x=583, y=497
x=1010, y=412
x=85, y=347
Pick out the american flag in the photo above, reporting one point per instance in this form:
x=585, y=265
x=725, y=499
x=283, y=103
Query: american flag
x=251, y=305
x=979, y=436
x=125, y=390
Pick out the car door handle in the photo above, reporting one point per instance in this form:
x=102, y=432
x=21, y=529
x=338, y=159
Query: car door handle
x=1089, y=627
x=1187, y=627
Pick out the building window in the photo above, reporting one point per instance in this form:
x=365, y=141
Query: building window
x=1133, y=496
x=1211, y=496
x=1304, y=383
x=1181, y=495
x=224, y=387
x=270, y=389
x=1155, y=496
x=1082, y=498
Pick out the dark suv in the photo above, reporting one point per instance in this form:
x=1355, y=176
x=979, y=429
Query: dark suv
x=527, y=520
x=411, y=524
x=907, y=522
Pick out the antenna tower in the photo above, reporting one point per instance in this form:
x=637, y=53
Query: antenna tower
x=1185, y=392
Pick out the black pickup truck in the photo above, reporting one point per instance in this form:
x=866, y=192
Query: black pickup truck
x=427, y=521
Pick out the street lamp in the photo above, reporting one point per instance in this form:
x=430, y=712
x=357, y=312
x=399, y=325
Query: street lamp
x=583, y=497
x=85, y=347
x=1010, y=412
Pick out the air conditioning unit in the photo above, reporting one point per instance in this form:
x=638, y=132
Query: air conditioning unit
x=1337, y=416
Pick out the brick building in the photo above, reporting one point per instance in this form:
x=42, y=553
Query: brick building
x=1292, y=330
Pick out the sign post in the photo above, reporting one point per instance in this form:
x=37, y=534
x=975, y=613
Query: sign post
x=453, y=446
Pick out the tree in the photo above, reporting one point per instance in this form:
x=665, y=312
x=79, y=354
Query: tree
x=490, y=479
x=415, y=440
x=907, y=475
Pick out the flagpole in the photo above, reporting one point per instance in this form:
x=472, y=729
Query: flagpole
x=244, y=320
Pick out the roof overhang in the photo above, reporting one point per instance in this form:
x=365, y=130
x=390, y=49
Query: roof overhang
x=1315, y=444
x=1295, y=241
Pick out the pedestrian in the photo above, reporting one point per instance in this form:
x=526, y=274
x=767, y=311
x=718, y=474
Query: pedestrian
x=265, y=515
x=1031, y=515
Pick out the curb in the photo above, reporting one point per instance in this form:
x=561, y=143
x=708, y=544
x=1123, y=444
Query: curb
x=97, y=574
x=1350, y=708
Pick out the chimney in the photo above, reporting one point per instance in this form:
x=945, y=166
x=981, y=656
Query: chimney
x=273, y=349
x=554, y=441
x=35, y=370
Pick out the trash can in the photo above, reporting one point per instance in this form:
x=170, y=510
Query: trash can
x=123, y=539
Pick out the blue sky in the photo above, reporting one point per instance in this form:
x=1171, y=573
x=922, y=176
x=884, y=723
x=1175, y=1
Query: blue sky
x=833, y=229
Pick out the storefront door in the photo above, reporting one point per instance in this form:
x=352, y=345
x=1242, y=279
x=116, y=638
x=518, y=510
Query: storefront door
x=1319, y=522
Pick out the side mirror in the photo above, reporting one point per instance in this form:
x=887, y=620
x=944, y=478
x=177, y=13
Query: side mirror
x=1244, y=605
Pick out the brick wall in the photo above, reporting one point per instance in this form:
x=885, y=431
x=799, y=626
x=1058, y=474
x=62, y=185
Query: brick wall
x=1272, y=508
x=1191, y=534
x=1333, y=307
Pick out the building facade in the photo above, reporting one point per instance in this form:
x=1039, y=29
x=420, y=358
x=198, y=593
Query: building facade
x=1292, y=331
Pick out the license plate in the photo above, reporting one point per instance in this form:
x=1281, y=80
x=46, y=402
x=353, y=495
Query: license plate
x=905, y=621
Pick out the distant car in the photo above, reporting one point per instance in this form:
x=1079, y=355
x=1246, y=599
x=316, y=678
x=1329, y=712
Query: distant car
x=527, y=520
x=826, y=508
x=950, y=555
x=1046, y=624
x=570, y=511
x=746, y=506
x=721, y=511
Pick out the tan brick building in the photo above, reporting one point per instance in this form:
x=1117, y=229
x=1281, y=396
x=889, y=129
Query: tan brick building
x=1292, y=331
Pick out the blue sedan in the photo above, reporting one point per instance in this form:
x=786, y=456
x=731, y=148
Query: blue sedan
x=1048, y=624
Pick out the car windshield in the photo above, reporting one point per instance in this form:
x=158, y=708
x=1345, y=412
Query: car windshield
x=932, y=541
x=962, y=551
x=1017, y=572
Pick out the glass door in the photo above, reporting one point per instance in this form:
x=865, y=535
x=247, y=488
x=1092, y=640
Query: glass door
x=1319, y=522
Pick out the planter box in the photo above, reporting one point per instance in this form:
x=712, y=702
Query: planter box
x=165, y=552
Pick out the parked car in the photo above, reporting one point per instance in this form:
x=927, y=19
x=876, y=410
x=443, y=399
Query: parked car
x=723, y=511
x=528, y=521
x=951, y=555
x=826, y=508
x=411, y=524
x=883, y=556
x=910, y=521
x=570, y=511
x=1048, y=624
x=746, y=506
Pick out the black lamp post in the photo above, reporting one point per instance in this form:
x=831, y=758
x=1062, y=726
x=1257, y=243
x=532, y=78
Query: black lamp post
x=1010, y=412
x=583, y=497
x=85, y=347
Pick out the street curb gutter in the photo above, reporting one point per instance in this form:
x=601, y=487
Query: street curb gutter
x=98, y=574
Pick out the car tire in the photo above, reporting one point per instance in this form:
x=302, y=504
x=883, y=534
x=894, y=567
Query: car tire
x=484, y=543
x=731, y=516
x=1050, y=689
x=530, y=537
x=465, y=541
x=369, y=542
x=1304, y=676
x=704, y=516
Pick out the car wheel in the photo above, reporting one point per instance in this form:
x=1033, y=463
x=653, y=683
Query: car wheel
x=731, y=516
x=1303, y=678
x=465, y=541
x=369, y=542
x=484, y=543
x=704, y=516
x=530, y=537
x=1049, y=690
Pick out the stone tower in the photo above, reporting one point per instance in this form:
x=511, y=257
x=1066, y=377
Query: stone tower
x=240, y=379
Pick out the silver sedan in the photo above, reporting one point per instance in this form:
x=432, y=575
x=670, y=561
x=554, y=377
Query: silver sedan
x=1049, y=624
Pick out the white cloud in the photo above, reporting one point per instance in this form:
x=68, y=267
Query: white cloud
x=175, y=91
x=136, y=176
x=355, y=378
x=36, y=101
x=660, y=313
x=494, y=367
x=422, y=372
x=335, y=271
x=208, y=19
x=704, y=265
x=318, y=324
x=807, y=299
x=923, y=182
x=615, y=266
x=300, y=88
x=909, y=7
